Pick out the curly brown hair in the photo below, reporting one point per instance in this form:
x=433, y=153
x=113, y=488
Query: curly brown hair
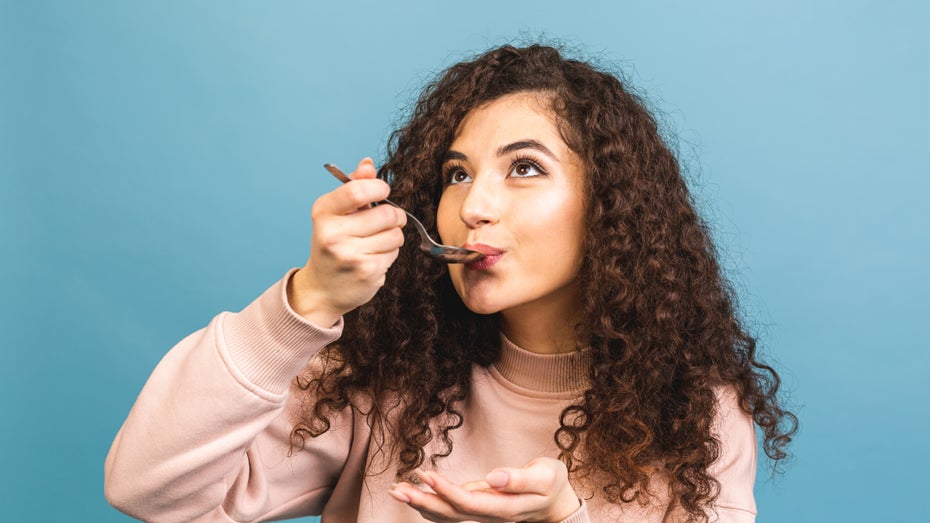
x=659, y=317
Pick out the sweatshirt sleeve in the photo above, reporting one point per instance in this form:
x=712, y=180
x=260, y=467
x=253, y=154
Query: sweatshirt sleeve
x=209, y=435
x=579, y=516
x=735, y=469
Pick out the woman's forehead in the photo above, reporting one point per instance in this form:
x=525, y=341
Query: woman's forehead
x=505, y=120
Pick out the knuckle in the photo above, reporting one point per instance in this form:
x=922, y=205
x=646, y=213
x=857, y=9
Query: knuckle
x=547, y=477
x=398, y=237
x=376, y=189
x=390, y=216
x=339, y=250
x=518, y=482
x=372, y=270
x=327, y=241
x=356, y=193
x=549, y=471
x=382, y=187
x=316, y=210
x=325, y=244
x=385, y=214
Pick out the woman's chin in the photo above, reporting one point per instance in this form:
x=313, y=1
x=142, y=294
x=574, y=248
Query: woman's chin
x=481, y=307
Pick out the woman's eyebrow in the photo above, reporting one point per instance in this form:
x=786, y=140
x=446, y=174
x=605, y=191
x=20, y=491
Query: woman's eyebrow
x=454, y=155
x=505, y=150
x=526, y=144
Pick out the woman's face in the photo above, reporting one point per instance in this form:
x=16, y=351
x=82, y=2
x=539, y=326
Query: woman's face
x=514, y=190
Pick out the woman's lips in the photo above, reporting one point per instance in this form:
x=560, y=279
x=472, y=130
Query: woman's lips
x=491, y=256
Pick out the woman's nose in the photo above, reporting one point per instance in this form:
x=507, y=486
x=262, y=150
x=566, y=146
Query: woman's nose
x=481, y=206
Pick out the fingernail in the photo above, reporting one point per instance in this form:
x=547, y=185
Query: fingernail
x=399, y=496
x=425, y=478
x=497, y=478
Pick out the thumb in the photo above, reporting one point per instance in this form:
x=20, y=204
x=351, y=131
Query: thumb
x=537, y=477
x=498, y=478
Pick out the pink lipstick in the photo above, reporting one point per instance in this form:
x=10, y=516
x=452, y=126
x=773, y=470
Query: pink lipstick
x=491, y=256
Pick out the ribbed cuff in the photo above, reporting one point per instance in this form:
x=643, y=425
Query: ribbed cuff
x=580, y=515
x=269, y=344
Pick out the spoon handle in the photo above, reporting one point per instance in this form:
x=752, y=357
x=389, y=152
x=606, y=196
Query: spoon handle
x=344, y=178
x=333, y=170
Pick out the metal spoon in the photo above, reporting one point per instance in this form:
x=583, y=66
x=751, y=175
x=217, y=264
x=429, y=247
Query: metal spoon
x=441, y=252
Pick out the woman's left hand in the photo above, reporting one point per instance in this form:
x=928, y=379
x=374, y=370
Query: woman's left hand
x=539, y=491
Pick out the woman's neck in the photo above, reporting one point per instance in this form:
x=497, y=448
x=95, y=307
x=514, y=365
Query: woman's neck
x=546, y=327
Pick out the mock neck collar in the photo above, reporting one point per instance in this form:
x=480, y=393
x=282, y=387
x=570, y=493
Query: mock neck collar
x=543, y=372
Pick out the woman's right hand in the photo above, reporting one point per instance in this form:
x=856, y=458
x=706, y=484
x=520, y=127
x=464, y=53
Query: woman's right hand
x=351, y=248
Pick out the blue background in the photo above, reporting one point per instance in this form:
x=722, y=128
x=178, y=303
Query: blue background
x=159, y=160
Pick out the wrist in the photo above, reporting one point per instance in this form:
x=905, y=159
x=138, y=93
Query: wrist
x=308, y=304
x=567, y=504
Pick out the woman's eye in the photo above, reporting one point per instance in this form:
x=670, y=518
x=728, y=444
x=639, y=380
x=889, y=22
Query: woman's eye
x=454, y=176
x=525, y=169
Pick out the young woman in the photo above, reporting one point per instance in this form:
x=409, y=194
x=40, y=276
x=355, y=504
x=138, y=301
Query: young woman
x=591, y=367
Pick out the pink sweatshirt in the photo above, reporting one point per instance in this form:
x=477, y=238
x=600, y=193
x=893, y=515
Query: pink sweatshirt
x=208, y=437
